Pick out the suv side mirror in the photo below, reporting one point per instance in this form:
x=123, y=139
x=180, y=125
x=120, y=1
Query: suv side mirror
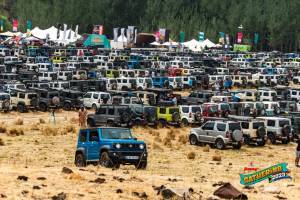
x=135, y=138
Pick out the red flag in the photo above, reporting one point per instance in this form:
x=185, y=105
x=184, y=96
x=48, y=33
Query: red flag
x=15, y=25
x=101, y=30
x=239, y=37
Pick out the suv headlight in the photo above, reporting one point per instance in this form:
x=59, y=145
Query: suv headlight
x=118, y=146
x=142, y=146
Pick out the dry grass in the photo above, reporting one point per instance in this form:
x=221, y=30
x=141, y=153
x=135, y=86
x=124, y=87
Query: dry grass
x=183, y=139
x=157, y=146
x=206, y=149
x=167, y=142
x=171, y=134
x=154, y=133
x=216, y=158
x=15, y=132
x=42, y=121
x=3, y=128
x=71, y=129
x=74, y=120
x=19, y=121
x=50, y=130
x=157, y=139
x=191, y=155
x=35, y=127
x=76, y=177
x=1, y=142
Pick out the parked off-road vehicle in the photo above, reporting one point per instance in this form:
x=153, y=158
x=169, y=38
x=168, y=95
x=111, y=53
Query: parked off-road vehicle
x=111, y=115
x=5, y=102
x=24, y=100
x=278, y=128
x=168, y=115
x=110, y=147
x=144, y=115
x=191, y=114
x=219, y=134
x=71, y=99
x=254, y=130
x=48, y=99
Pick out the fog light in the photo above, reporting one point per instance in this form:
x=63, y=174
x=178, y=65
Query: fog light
x=142, y=146
x=118, y=146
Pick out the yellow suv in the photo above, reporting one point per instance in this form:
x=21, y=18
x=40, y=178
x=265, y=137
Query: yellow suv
x=168, y=115
x=58, y=59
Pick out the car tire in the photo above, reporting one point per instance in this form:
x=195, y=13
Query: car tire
x=90, y=122
x=105, y=160
x=162, y=123
x=285, y=141
x=193, y=140
x=237, y=146
x=43, y=107
x=261, y=143
x=80, y=160
x=247, y=140
x=67, y=106
x=21, y=108
x=185, y=122
x=219, y=144
x=272, y=138
x=141, y=165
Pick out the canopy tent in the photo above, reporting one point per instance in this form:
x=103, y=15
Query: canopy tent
x=96, y=40
x=155, y=43
x=122, y=39
x=53, y=34
x=11, y=34
x=207, y=43
x=170, y=44
x=193, y=45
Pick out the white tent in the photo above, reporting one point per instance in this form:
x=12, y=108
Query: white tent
x=11, y=34
x=155, y=43
x=52, y=33
x=170, y=44
x=122, y=39
x=208, y=43
x=193, y=45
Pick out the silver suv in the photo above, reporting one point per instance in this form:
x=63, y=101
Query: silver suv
x=5, y=102
x=278, y=128
x=218, y=134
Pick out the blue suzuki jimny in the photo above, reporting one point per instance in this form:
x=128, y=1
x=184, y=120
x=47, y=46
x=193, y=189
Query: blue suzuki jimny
x=110, y=147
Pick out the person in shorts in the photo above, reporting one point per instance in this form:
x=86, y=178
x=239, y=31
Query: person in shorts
x=297, y=154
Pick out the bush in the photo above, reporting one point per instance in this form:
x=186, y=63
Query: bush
x=15, y=132
x=42, y=121
x=217, y=158
x=1, y=142
x=19, y=121
x=191, y=155
x=3, y=128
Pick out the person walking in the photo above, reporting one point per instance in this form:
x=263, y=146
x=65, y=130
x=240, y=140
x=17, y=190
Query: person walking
x=297, y=153
x=82, y=114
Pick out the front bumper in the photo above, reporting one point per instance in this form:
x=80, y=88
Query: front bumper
x=128, y=157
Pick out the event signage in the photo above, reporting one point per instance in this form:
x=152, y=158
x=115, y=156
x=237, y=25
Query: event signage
x=201, y=36
x=221, y=37
x=256, y=38
x=272, y=174
x=181, y=36
x=29, y=25
x=116, y=33
x=1, y=25
x=15, y=25
x=239, y=37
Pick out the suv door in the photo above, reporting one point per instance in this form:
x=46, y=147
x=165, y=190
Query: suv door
x=220, y=129
x=87, y=99
x=101, y=115
x=93, y=145
x=207, y=132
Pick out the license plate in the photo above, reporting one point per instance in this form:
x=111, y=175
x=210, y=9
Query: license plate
x=123, y=124
x=132, y=157
x=259, y=140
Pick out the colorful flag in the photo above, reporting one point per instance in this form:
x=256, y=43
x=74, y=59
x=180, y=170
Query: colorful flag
x=1, y=25
x=227, y=39
x=15, y=25
x=76, y=32
x=29, y=26
x=201, y=36
x=65, y=31
x=221, y=37
x=181, y=36
x=101, y=29
x=256, y=38
x=70, y=33
x=58, y=31
x=239, y=37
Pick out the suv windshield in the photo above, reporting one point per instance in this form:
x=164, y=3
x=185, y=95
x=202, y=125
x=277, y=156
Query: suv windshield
x=112, y=133
x=173, y=110
x=234, y=126
x=256, y=125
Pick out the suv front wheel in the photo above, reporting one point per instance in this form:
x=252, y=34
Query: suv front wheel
x=79, y=160
x=105, y=160
x=193, y=140
x=219, y=143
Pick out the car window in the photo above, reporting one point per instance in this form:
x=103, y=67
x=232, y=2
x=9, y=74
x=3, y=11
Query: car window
x=88, y=95
x=256, y=125
x=208, y=126
x=185, y=109
x=162, y=111
x=245, y=125
x=111, y=111
x=234, y=126
x=82, y=136
x=94, y=136
x=95, y=96
x=101, y=110
x=127, y=100
x=21, y=95
x=271, y=123
x=173, y=110
x=221, y=127
x=196, y=109
x=282, y=123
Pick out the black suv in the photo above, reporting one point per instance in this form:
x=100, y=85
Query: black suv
x=144, y=115
x=70, y=99
x=111, y=115
x=47, y=99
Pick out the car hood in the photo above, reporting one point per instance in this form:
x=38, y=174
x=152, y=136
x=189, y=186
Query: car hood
x=124, y=141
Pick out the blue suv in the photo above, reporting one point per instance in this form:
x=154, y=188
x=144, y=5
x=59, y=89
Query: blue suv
x=110, y=147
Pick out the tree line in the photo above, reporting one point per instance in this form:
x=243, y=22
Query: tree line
x=276, y=21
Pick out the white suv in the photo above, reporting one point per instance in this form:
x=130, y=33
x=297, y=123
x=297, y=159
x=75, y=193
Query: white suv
x=144, y=83
x=191, y=114
x=95, y=99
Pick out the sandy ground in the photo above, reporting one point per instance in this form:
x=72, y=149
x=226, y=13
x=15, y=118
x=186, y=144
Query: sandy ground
x=42, y=153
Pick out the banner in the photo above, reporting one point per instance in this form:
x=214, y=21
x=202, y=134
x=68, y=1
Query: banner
x=70, y=33
x=256, y=38
x=65, y=31
x=227, y=39
x=15, y=25
x=135, y=35
x=222, y=38
x=58, y=31
x=76, y=32
x=123, y=34
x=116, y=34
x=29, y=26
x=131, y=37
x=241, y=48
x=98, y=29
x=181, y=36
x=157, y=36
x=164, y=35
x=101, y=30
x=1, y=25
x=201, y=36
x=239, y=37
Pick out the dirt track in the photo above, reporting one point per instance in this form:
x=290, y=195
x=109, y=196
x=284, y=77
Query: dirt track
x=42, y=153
